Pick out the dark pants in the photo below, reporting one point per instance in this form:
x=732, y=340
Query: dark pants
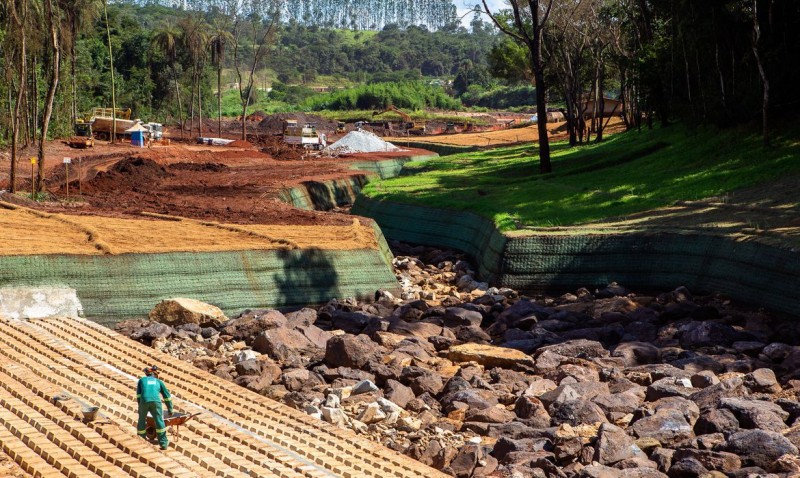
x=157, y=412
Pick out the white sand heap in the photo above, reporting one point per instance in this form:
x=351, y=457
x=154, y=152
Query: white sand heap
x=360, y=142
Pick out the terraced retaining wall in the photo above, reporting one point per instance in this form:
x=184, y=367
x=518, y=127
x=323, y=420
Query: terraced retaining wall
x=113, y=287
x=332, y=193
x=751, y=272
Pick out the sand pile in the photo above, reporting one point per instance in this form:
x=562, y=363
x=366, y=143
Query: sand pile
x=360, y=142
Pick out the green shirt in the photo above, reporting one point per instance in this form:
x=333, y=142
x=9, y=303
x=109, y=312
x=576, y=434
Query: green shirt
x=151, y=389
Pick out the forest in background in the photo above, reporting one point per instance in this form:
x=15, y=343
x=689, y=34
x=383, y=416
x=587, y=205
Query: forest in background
x=722, y=62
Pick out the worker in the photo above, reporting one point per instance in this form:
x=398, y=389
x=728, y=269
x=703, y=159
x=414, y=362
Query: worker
x=149, y=391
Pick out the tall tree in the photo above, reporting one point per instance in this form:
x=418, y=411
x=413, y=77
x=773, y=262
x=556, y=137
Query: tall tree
x=167, y=38
x=260, y=18
x=195, y=40
x=220, y=37
x=17, y=16
x=53, y=22
x=527, y=25
x=77, y=15
x=113, y=84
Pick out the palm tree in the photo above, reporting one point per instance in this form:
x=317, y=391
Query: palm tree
x=78, y=14
x=167, y=38
x=195, y=40
x=220, y=36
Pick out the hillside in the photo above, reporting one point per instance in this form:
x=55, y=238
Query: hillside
x=628, y=173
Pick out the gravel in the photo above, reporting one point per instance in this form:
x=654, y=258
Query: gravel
x=360, y=142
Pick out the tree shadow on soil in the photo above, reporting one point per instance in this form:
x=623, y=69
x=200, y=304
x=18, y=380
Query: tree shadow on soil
x=308, y=277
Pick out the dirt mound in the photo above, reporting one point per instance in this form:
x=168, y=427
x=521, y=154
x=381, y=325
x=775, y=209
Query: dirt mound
x=129, y=173
x=17, y=199
x=274, y=123
x=213, y=167
x=240, y=143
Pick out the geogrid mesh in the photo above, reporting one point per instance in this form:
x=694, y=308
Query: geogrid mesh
x=129, y=285
x=750, y=272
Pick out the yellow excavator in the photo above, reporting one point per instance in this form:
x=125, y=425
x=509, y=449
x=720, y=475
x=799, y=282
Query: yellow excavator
x=411, y=126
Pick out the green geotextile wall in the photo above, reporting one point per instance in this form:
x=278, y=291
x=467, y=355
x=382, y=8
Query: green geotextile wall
x=749, y=272
x=129, y=285
x=326, y=195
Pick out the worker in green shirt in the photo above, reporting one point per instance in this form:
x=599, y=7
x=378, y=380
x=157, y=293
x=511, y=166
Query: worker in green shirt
x=149, y=391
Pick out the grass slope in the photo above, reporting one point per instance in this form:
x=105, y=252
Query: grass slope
x=628, y=173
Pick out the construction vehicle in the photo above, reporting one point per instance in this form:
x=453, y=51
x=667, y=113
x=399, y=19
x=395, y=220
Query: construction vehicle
x=155, y=131
x=83, y=137
x=305, y=136
x=100, y=121
x=409, y=125
x=340, y=127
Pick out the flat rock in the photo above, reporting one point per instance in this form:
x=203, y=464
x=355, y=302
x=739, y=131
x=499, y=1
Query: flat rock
x=181, y=310
x=489, y=355
x=667, y=426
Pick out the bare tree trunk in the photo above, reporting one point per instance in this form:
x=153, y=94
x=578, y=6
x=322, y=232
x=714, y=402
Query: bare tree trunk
x=219, y=96
x=762, y=72
x=191, y=103
x=200, y=105
x=73, y=62
x=541, y=113
x=18, y=105
x=113, y=86
x=178, y=96
x=33, y=119
x=55, y=44
x=601, y=102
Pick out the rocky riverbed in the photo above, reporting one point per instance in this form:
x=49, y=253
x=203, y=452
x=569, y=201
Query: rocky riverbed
x=479, y=381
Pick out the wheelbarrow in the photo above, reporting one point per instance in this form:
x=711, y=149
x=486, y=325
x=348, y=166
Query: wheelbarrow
x=175, y=420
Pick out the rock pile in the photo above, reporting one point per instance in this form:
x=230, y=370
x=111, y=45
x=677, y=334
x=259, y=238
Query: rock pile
x=360, y=142
x=479, y=381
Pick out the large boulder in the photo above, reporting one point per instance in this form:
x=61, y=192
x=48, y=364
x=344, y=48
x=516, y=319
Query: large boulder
x=351, y=351
x=489, y=355
x=613, y=445
x=152, y=331
x=181, y=310
x=759, y=447
x=281, y=344
x=669, y=427
x=252, y=322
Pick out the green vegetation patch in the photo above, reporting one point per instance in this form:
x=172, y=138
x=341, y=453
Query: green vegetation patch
x=627, y=173
x=414, y=95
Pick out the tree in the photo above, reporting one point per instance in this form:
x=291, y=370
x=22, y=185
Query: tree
x=196, y=41
x=111, y=68
x=527, y=25
x=761, y=67
x=77, y=15
x=53, y=22
x=167, y=37
x=220, y=36
x=17, y=15
x=261, y=17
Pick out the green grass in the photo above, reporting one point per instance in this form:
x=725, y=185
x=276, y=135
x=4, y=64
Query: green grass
x=627, y=173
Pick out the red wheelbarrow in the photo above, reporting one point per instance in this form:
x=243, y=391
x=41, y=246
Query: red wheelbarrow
x=174, y=420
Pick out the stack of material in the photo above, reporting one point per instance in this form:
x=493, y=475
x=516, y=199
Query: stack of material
x=360, y=142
